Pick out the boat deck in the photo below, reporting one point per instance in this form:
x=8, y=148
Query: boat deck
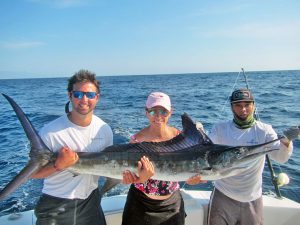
x=276, y=211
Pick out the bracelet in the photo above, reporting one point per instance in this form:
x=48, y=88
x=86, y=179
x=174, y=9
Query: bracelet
x=55, y=167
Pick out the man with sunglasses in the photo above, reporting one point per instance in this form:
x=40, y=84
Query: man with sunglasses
x=68, y=198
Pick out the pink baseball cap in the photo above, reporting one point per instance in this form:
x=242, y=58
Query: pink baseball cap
x=158, y=99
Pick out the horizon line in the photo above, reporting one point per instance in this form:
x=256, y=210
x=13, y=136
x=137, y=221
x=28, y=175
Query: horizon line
x=156, y=74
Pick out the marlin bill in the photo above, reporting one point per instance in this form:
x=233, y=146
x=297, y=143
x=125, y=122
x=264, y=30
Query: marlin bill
x=188, y=154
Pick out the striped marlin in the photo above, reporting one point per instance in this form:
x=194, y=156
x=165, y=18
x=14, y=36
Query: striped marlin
x=188, y=154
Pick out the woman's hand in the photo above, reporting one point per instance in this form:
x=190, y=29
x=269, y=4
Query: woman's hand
x=195, y=180
x=66, y=158
x=129, y=177
x=145, y=171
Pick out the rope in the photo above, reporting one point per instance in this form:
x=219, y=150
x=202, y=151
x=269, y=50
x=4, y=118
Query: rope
x=228, y=96
x=269, y=162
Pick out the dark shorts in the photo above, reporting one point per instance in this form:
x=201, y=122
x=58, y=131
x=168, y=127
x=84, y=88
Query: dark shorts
x=224, y=210
x=61, y=211
x=141, y=210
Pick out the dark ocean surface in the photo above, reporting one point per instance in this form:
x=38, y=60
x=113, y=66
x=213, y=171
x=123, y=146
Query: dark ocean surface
x=202, y=96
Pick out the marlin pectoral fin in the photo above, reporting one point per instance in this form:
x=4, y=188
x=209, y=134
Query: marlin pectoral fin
x=75, y=174
x=21, y=178
x=109, y=184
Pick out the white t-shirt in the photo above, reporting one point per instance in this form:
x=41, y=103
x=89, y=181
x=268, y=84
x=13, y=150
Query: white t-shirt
x=63, y=133
x=247, y=185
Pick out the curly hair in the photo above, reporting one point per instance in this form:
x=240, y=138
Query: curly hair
x=83, y=76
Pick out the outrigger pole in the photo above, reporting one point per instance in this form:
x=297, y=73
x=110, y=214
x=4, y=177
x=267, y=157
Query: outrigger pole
x=273, y=175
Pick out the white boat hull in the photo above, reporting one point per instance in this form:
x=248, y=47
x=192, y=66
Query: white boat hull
x=276, y=211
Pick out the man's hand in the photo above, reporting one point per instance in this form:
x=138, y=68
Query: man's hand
x=66, y=158
x=292, y=133
x=195, y=180
x=199, y=126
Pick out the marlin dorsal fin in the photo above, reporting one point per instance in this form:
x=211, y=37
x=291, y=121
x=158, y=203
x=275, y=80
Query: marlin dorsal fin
x=191, y=131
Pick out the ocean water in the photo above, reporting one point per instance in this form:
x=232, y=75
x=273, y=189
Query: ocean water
x=203, y=96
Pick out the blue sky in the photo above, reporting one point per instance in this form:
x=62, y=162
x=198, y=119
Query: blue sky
x=53, y=38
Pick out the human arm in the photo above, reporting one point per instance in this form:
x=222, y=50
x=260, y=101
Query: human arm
x=286, y=144
x=291, y=134
x=195, y=180
x=66, y=158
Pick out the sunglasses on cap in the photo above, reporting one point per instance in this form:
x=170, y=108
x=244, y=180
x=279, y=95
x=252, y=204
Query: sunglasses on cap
x=160, y=112
x=80, y=94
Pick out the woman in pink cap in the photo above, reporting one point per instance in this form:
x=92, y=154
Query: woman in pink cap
x=153, y=201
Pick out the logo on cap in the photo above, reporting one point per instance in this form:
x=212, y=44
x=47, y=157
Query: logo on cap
x=241, y=95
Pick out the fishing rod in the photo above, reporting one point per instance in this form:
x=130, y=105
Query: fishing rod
x=274, y=178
